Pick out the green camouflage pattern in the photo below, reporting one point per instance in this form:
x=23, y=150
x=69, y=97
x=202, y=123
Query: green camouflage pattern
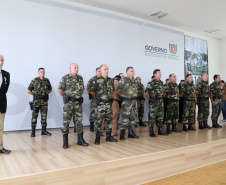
x=128, y=88
x=172, y=109
x=92, y=116
x=188, y=90
x=215, y=88
x=203, y=100
x=72, y=87
x=40, y=88
x=155, y=89
x=104, y=89
x=140, y=101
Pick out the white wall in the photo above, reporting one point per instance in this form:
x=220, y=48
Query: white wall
x=223, y=59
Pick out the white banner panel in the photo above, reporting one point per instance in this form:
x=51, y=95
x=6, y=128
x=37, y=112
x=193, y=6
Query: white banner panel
x=35, y=35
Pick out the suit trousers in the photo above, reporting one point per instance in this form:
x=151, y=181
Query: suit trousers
x=2, y=118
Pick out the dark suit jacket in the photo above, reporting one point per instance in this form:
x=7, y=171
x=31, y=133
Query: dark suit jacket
x=3, y=90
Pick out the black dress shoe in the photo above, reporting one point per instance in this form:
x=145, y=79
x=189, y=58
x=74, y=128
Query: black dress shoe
x=5, y=151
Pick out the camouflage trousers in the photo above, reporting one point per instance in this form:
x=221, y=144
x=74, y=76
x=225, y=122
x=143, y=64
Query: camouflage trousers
x=216, y=110
x=103, y=111
x=156, y=113
x=140, y=109
x=172, y=111
x=72, y=109
x=92, y=116
x=129, y=114
x=41, y=105
x=188, y=112
x=203, y=110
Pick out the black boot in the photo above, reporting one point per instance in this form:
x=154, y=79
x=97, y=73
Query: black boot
x=185, y=128
x=32, y=131
x=152, y=133
x=91, y=127
x=161, y=132
x=141, y=124
x=122, y=134
x=168, y=129
x=81, y=141
x=214, y=123
x=200, y=125
x=44, y=132
x=174, y=129
x=97, y=140
x=206, y=125
x=74, y=128
x=65, y=141
x=132, y=135
x=110, y=138
x=219, y=126
x=190, y=127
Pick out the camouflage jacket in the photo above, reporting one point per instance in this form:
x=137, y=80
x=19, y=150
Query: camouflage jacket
x=172, y=91
x=103, y=88
x=72, y=86
x=128, y=88
x=140, y=92
x=215, y=88
x=40, y=87
x=188, y=90
x=204, y=90
x=155, y=88
x=90, y=82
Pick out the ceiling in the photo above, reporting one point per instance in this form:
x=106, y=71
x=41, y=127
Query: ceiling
x=191, y=15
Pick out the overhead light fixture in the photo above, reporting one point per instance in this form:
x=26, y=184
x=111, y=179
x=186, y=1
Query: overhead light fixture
x=212, y=30
x=159, y=14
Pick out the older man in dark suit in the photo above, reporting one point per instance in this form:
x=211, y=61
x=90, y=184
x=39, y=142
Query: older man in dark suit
x=4, y=85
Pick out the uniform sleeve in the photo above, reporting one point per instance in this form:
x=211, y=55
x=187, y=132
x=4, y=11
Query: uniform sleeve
x=212, y=88
x=148, y=88
x=182, y=90
x=49, y=85
x=83, y=87
x=113, y=84
x=31, y=86
x=120, y=85
x=166, y=89
x=62, y=85
x=93, y=85
x=198, y=87
x=89, y=84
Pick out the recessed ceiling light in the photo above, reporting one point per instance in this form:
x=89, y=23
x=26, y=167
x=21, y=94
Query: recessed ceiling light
x=159, y=14
x=212, y=30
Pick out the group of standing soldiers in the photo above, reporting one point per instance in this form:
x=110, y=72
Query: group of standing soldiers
x=125, y=95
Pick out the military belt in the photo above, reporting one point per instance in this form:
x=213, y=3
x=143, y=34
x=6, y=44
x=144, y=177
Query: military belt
x=74, y=99
x=125, y=99
x=203, y=98
x=173, y=100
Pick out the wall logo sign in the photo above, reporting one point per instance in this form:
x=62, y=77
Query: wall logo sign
x=173, y=48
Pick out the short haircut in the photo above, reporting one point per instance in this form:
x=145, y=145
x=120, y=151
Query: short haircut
x=167, y=79
x=215, y=76
x=152, y=77
x=155, y=71
x=117, y=77
x=203, y=74
x=137, y=77
x=182, y=81
x=128, y=68
x=41, y=68
x=97, y=68
x=120, y=73
x=222, y=81
x=188, y=75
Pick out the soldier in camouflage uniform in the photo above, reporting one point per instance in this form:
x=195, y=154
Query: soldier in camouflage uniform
x=93, y=100
x=39, y=88
x=215, y=95
x=188, y=92
x=71, y=88
x=102, y=89
x=154, y=92
x=203, y=93
x=172, y=91
x=127, y=90
x=140, y=101
x=165, y=101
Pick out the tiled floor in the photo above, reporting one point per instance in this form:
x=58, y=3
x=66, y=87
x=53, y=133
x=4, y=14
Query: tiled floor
x=214, y=174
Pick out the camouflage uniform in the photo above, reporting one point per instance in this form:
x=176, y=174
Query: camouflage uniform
x=93, y=101
x=215, y=88
x=203, y=100
x=140, y=101
x=155, y=89
x=73, y=87
x=40, y=90
x=103, y=89
x=128, y=95
x=172, y=91
x=188, y=90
